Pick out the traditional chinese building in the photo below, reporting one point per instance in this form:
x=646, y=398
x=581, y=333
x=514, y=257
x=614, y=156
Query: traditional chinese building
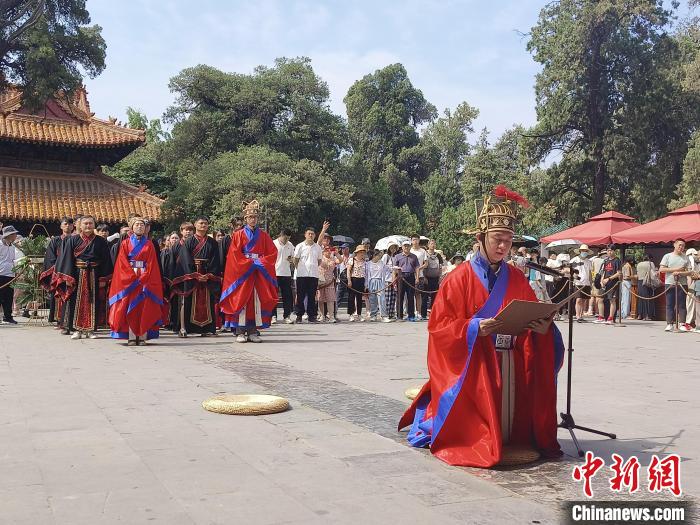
x=51, y=164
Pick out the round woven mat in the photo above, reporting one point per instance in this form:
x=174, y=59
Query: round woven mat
x=245, y=405
x=412, y=392
x=518, y=455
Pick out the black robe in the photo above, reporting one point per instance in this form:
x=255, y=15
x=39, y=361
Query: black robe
x=53, y=250
x=195, y=274
x=83, y=267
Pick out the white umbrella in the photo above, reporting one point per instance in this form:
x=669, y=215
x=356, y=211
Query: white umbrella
x=383, y=243
x=562, y=244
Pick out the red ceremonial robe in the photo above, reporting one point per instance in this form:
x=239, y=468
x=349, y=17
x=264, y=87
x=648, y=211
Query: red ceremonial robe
x=458, y=411
x=136, y=292
x=249, y=272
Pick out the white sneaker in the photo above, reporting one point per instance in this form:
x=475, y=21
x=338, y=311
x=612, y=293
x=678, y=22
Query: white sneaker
x=418, y=317
x=288, y=320
x=76, y=335
x=241, y=338
x=387, y=320
x=273, y=320
x=669, y=328
x=362, y=319
x=254, y=338
x=697, y=331
x=305, y=317
x=353, y=318
x=332, y=320
x=92, y=335
x=684, y=328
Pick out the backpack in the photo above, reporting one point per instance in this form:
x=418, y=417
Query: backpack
x=434, y=268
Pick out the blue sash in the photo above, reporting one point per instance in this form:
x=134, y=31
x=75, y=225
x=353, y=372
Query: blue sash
x=425, y=432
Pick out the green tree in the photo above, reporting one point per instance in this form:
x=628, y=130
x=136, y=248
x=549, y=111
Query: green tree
x=293, y=193
x=448, y=134
x=606, y=98
x=145, y=165
x=384, y=113
x=284, y=107
x=688, y=191
x=46, y=45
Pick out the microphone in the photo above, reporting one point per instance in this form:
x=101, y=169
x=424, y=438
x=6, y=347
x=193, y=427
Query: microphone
x=543, y=269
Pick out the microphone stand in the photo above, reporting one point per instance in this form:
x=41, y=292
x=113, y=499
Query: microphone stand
x=567, y=419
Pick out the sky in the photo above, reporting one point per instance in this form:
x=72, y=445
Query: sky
x=454, y=51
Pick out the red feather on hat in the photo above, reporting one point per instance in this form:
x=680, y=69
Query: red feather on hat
x=502, y=191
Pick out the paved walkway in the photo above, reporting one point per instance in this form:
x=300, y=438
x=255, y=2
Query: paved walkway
x=94, y=432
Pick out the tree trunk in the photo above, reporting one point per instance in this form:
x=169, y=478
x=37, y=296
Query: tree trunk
x=597, y=115
x=598, y=180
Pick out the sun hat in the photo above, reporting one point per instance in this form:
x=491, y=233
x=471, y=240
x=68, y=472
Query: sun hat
x=7, y=231
x=583, y=247
x=360, y=248
x=691, y=251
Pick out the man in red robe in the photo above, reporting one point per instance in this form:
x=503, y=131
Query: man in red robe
x=249, y=291
x=136, y=291
x=489, y=396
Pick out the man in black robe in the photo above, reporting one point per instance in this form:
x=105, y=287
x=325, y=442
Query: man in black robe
x=53, y=250
x=195, y=276
x=83, y=266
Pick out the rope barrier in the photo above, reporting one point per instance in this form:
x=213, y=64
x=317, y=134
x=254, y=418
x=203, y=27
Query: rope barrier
x=9, y=283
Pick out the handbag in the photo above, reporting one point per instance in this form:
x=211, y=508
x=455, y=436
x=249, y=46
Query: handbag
x=652, y=279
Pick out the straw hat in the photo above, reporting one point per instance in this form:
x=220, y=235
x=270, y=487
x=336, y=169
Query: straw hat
x=412, y=392
x=360, y=248
x=245, y=405
x=583, y=247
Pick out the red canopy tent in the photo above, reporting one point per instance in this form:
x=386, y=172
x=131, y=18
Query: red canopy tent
x=683, y=223
x=597, y=231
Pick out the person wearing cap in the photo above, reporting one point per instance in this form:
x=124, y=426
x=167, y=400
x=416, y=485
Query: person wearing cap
x=356, y=273
x=83, y=267
x=407, y=271
x=582, y=267
x=610, y=273
x=489, y=396
x=249, y=289
x=455, y=261
x=10, y=255
x=136, y=304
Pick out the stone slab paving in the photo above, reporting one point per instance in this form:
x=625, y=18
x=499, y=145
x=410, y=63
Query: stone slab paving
x=94, y=432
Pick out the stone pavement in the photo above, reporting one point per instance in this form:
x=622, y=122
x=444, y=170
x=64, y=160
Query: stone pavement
x=94, y=432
